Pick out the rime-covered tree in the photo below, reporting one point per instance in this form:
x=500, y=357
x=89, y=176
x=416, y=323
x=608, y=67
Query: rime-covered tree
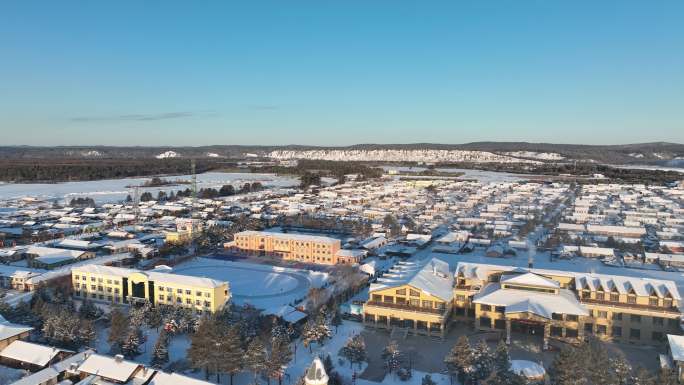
x=567, y=368
x=483, y=361
x=427, y=380
x=86, y=333
x=203, y=346
x=502, y=373
x=392, y=357
x=336, y=319
x=620, y=370
x=255, y=357
x=88, y=310
x=354, y=350
x=315, y=331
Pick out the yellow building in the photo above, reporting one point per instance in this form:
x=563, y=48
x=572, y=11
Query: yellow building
x=413, y=296
x=566, y=305
x=120, y=285
x=297, y=247
x=186, y=230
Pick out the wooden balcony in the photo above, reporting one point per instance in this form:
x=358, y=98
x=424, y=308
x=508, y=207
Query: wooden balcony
x=623, y=305
x=416, y=309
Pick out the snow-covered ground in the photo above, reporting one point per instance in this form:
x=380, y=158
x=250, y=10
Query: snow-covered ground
x=115, y=190
x=399, y=156
x=535, y=155
x=263, y=286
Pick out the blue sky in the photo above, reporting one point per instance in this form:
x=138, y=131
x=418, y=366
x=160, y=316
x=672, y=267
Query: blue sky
x=340, y=72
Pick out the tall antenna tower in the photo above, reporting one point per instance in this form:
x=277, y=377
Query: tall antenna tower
x=193, y=168
x=136, y=204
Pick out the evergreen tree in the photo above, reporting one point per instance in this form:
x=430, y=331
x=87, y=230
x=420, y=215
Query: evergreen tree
x=620, y=370
x=278, y=358
x=203, y=346
x=596, y=360
x=502, y=373
x=88, y=310
x=354, y=350
x=483, y=361
x=336, y=319
x=460, y=359
x=427, y=380
x=86, y=333
x=392, y=357
x=567, y=368
x=231, y=352
x=255, y=357
x=131, y=344
x=118, y=329
x=160, y=355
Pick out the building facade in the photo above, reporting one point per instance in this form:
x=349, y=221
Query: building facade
x=125, y=286
x=296, y=247
x=565, y=305
x=416, y=297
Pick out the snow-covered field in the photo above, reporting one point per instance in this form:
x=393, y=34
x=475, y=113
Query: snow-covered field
x=263, y=286
x=115, y=190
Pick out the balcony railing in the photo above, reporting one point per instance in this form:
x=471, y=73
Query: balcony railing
x=416, y=309
x=634, y=306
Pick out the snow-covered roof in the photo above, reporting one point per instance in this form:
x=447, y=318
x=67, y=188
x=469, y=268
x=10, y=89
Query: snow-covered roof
x=291, y=236
x=432, y=277
x=528, y=369
x=316, y=374
x=109, y=367
x=625, y=285
x=676, y=346
x=9, y=330
x=529, y=279
x=162, y=378
x=31, y=353
x=525, y=301
x=53, y=371
x=157, y=277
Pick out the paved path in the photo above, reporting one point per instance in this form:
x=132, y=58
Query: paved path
x=303, y=283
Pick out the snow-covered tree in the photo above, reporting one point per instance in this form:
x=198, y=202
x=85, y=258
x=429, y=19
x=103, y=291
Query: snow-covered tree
x=278, y=358
x=620, y=370
x=483, y=361
x=131, y=344
x=459, y=360
x=160, y=355
x=354, y=350
x=427, y=380
x=118, y=329
x=315, y=331
x=392, y=357
x=502, y=373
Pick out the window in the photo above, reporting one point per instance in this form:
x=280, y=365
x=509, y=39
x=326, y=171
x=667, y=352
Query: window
x=556, y=331
x=427, y=304
x=658, y=321
x=401, y=292
x=616, y=331
x=482, y=307
x=116, y=290
x=198, y=294
x=460, y=298
x=500, y=309
x=414, y=302
x=615, y=297
x=602, y=314
x=197, y=302
x=653, y=301
x=600, y=296
x=617, y=317
x=557, y=317
x=657, y=336
x=207, y=295
x=161, y=297
x=485, y=322
x=109, y=282
x=207, y=304
x=179, y=300
x=635, y=318
x=389, y=299
x=93, y=287
x=634, y=334
x=601, y=329
x=401, y=300
x=571, y=333
x=589, y=328
x=188, y=292
x=631, y=299
x=571, y=317
x=667, y=302
x=377, y=297
x=169, y=289
x=414, y=293
x=179, y=291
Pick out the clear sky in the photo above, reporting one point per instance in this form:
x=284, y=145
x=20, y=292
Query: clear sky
x=340, y=72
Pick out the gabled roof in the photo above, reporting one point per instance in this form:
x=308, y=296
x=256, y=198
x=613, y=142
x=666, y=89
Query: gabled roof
x=530, y=279
x=31, y=353
x=432, y=277
x=109, y=367
x=525, y=301
x=9, y=330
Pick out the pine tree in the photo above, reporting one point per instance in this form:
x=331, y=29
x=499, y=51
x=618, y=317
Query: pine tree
x=278, y=358
x=231, y=352
x=596, y=361
x=118, y=329
x=87, y=333
x=427, y=380
x=88, y=310
x=483, y=361
x=160, y=355
x=392, y=357
x=336, y=319
x=354, y=350
x=502, y=373
x=131, y=344
x=460, y=359
x=203, y=345
x=255, y=357
x=567, y=369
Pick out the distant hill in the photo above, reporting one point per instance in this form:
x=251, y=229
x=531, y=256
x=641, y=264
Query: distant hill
x=657, y=153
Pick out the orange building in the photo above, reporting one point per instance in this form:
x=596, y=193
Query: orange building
x=297, y=247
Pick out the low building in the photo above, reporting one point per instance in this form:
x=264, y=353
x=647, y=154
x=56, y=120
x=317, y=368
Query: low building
x=51, y=258
x=416, y=297
x=675, y=350
x=120, y=285
x=10, y=332
x=114, y=369
x=30, y=356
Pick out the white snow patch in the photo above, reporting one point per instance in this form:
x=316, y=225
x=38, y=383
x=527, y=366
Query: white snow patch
x=536, y=155
x=213, y=155
x=167, y=154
